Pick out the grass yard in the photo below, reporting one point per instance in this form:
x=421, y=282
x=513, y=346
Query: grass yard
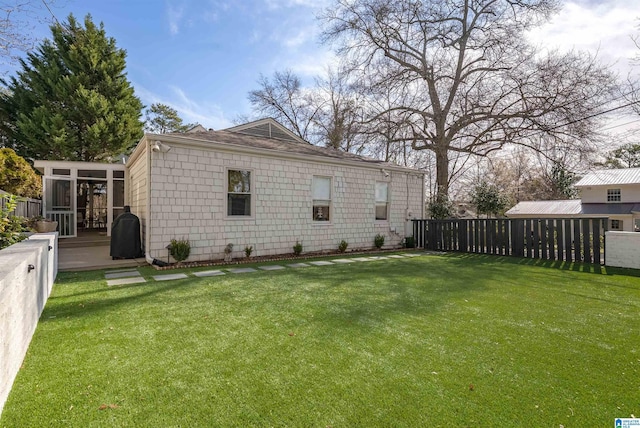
x=454, y=340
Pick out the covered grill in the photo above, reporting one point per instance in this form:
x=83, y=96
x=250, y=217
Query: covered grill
x=125, y=236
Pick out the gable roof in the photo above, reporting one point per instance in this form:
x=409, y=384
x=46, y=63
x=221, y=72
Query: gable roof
x=533, y=208
x=197, y=128
x=268, y=128
x=608, y=177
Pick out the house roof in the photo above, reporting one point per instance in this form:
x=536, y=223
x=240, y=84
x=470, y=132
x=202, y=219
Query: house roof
x=245, y=136
x=534, y=208
x=610, y=209
x=608, y=177
x=269, y=128
x=573, y=207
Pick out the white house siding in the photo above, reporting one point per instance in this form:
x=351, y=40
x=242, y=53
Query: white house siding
x=188, y=200
x=138, y=189
x=629, y=193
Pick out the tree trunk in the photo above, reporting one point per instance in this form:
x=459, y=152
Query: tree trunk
x=442, y=174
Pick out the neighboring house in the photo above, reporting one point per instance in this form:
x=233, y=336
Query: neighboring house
x=255, y=185
x=611, y=193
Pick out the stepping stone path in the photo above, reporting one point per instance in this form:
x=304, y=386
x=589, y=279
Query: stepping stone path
x=124, y=281
x=170, y=277
x=123, y=277
x=209, y=273
x=132, y=276
x=272, y=267
x=242, y=270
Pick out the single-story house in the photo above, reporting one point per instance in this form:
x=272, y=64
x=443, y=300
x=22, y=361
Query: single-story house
x=256, y=184
x=609, y=193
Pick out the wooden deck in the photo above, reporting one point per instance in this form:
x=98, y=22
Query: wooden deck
x=90, y=251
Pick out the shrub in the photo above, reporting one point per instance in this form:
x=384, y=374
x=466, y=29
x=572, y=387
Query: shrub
x=11, y=227
x=180, y=249
x=343, y=246
x=17, y=176
x=378, y=241
x=297, y=249
x=440, y=208
x=410, y=242
x=248, y=250
x=227, y=252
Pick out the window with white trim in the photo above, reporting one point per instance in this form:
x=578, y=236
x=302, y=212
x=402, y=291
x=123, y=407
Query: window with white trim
x=321, y=194
x=614, y=195
x=615, y=224
x=382, y=200
x=238, y=193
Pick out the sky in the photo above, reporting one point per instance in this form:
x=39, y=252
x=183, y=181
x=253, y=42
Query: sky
x=203, y=57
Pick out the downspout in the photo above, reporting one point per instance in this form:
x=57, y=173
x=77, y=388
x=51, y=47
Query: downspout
x=423, y=198
x=147, y=235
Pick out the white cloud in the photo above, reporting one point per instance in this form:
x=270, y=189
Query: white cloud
x=174, y=15
x=603, y=27
x=209, y=115
x=311, y=64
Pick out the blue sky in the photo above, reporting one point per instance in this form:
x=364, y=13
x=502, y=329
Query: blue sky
x=202, y=57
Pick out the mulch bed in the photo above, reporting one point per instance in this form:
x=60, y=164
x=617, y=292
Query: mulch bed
x=275, y=258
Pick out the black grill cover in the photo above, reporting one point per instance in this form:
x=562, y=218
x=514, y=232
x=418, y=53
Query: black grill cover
x=125, y=237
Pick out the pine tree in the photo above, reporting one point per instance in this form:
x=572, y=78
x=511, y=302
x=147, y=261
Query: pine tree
x=72, y=100
x=162, y=118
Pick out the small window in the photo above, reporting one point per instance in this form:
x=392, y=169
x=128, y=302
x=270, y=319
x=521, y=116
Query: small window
x=636, y=225
x=118, y=174
x=615, y=225
x=57, y=171
x=321, y=199
x=382, y=201
x=614, y=195
x=239, y=193
x=91, y=173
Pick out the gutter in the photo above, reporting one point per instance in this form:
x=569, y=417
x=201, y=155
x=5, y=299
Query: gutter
x=234, y=148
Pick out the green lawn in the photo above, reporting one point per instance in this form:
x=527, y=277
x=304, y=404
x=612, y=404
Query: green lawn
x=455, y=340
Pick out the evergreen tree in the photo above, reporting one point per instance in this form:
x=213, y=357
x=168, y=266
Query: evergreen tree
x=162, y=118
x=488, y=199
x=72, y=100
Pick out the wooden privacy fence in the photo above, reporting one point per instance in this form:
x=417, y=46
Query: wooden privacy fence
x=26, y=207
x=575, y=239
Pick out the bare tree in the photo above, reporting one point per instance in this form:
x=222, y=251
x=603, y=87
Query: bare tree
x=17, y=19
x=466, y=79
x=284, y=99
x=339, y=112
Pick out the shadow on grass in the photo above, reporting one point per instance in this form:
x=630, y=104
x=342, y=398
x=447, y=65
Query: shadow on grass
x=551, y=264
x=340, y=293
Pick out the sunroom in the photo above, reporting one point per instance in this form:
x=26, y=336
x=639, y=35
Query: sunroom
x=83, y=197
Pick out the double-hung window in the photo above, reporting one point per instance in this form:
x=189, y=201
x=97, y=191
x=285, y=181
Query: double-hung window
x=382, y=201
x=615, y=224
x=238, y=192
x=321, y=194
